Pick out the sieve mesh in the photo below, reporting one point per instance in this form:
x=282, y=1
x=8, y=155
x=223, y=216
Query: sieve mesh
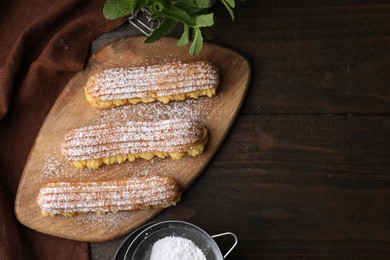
x=141, y=247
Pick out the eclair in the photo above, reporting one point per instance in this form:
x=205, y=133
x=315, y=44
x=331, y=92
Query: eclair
x=127, y=194
x=174, y=81
x=109, y=143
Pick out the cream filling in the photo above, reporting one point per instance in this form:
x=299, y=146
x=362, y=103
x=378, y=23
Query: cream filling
x=101, y=212
x=164, y=99
x=95, y=163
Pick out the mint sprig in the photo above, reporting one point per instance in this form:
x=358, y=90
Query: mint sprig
x=194, y=15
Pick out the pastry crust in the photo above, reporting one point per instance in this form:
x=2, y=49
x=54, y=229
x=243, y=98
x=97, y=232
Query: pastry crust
x=167, y=82
x=135, y=193
x=92, y=146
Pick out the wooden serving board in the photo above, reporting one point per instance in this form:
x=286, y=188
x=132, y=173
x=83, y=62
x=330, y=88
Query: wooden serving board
x=47, y=164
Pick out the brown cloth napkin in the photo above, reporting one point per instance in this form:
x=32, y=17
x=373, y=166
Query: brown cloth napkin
x=43, y=44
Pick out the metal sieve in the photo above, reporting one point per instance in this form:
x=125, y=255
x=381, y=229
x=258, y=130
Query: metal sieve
x=121, y=252
x=141, y=247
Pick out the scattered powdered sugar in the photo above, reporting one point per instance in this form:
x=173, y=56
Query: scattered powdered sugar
x=176, y=248
x=56, y=167
x=195, y=109
x=97, y=222
x=52, y=167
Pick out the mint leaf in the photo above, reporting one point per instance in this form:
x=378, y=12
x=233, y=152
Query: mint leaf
x=198, y=3
x=185, y=37
x=114, y=9
x=188, y=9
x=229, y=4
x=204, y=3
x=165, y=27
x=197, y=43
x=175, y=13
x=205, y=20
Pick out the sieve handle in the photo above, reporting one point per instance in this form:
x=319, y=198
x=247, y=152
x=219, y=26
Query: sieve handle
x=228, y=234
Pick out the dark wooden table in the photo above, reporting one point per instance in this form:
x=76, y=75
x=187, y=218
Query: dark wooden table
x=305, y=170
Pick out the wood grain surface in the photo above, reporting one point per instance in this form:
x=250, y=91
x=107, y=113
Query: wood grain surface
x=47, y=164
x=305, y=171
